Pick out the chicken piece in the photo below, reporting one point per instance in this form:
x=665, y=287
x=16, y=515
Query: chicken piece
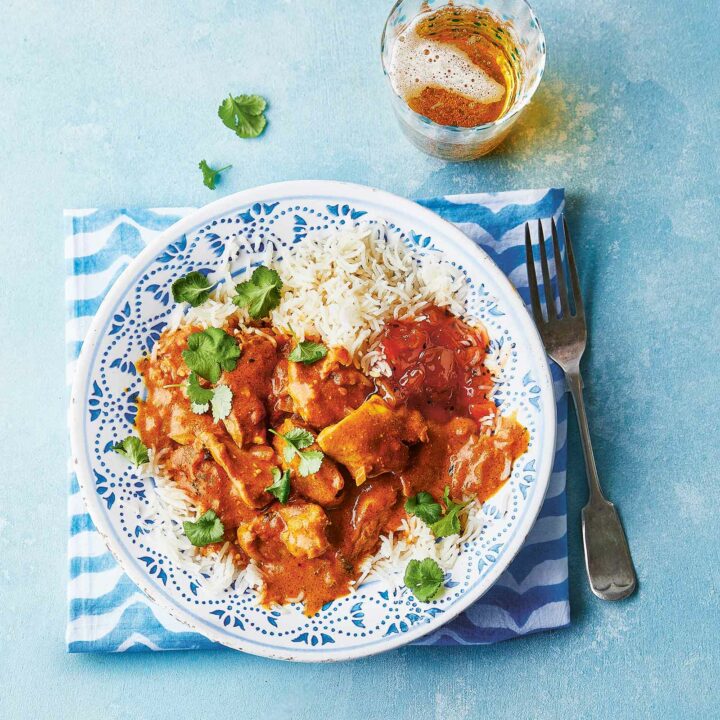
x=182, y=463
x=246, y=421
x=289, y=545
x=280, y=402
x=250, y=471
x=251, y=384
x=194, y=471
x=482, y=465
x=184, y=426
x=297, y=529
x=166, y=415
x=373, y=439
x=323, y=487
x=373, y=508
x=429, y=466
x=167, y=367
x=305, y=529
x=326, y=391
x=260, y=539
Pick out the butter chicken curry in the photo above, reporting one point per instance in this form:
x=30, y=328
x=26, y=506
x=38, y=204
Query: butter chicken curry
x=306, y=461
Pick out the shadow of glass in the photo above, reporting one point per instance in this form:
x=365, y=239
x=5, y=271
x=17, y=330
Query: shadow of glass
x=538, y=126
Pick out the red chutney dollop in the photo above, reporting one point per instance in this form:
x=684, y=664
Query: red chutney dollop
x=437, y=364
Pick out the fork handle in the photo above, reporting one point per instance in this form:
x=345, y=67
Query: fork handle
x=607, y=555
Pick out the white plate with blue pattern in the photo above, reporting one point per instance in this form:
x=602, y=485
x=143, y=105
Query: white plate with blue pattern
x=375, y=617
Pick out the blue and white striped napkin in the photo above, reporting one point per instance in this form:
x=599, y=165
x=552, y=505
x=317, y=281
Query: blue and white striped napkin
x=107, y=612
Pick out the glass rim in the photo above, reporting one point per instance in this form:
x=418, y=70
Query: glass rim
x=514, y=110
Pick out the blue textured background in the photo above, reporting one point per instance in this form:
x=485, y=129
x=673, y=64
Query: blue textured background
x=114, y=103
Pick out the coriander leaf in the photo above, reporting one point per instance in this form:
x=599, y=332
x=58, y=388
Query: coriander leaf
x=198, y=394
x=193, y=288
x=260, y=294
x=449, y=524
x=299, y=438
x=244, y=114
x=446, y=526
x=221, y=402
x=210, y=352
x=209, y=174
x=310, y=462
x=296, y=440
x=308, y=352
x=199, y=409
x=207, y=529
x=281, y=485
x=289, y=452
x=425, y=579
x=423, y=505
x=133, y=449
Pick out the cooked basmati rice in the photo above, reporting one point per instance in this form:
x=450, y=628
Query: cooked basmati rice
x=344, y=285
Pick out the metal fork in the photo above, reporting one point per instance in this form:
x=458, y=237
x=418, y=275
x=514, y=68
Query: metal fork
x=607, y=555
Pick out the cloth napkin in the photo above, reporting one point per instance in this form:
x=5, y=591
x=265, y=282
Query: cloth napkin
x=108, y=613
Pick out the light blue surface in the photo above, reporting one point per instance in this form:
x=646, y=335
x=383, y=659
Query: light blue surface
x=106, y=104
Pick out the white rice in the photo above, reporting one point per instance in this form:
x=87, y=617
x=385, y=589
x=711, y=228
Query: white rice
x=342, y=286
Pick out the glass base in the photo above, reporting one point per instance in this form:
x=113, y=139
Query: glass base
x=457, y=144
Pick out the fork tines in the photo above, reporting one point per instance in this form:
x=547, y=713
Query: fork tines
x=550, y=305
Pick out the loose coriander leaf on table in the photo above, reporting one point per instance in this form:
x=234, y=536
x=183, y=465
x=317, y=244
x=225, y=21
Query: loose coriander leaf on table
x=423, y=505
x=207, y=529
x=210, y=352
x=260, y=294
x=244, y=114
x=308, y=352
x=280, y=487
x=193, y=288
x=449, y=524
x=210, y=174
x=133, y=449
x=425, y=579
x=221, y=402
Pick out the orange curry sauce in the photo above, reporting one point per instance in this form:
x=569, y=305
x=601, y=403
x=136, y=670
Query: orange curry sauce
x=428, y=426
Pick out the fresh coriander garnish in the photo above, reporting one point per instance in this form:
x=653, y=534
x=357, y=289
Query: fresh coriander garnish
x=423, y=505
x=296, y=440
x=308, y=352
x=425, y=579
x=260, y=294
x=244, y=114
x=202, y=399
x=210, y=174
x=449, y=523
x=207, y=529
x=133, y=449
x=199, y=396
x=210, y=352
x=281, y=485
x=193, y=288
x=221, y=402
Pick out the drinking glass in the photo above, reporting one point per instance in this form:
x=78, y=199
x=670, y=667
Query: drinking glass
x=467, y=143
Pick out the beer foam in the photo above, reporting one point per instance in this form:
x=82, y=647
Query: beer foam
x=417, y=63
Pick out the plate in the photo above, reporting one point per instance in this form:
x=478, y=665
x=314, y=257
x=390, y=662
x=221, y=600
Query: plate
x=377, y=617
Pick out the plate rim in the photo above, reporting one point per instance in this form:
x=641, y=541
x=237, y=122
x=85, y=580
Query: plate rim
x=343, y=191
